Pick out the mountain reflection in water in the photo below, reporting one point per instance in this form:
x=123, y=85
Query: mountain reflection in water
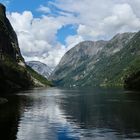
x=58, y=114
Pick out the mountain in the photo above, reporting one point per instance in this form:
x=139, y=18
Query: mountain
x=132, y=78
x=41, y=68
x=100, y=63
x=14, y=74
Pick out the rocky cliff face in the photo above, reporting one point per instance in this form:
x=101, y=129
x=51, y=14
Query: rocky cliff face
x=101, y=63
x=8, y=39
x=14, y=74
x=75, y=62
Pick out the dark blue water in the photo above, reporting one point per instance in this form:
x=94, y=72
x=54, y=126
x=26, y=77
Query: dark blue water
x=58, y=114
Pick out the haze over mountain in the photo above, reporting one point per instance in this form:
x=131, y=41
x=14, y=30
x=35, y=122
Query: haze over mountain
x=39, y=67
x=100, y=63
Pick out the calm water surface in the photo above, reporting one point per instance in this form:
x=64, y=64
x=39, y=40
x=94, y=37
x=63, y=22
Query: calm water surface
x=58, y=114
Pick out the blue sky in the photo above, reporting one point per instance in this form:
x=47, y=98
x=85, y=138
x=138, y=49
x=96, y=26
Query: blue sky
x=22, y=5
x=47, y=29
x=65, y=31
x=32, y=5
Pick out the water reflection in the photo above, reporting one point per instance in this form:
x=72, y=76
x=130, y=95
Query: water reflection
x=43, y=119
x=10, y=113
x=56, y=114
x=105, y=113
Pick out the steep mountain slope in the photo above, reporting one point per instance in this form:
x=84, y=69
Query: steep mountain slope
x=38, y=79
x=76, y=60
x=39, y=67
x=132, y=78
x=103, y=65
x=13, y=72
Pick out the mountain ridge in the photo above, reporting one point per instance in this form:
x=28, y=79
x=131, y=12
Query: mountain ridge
x=40, y=67
x=97, y=69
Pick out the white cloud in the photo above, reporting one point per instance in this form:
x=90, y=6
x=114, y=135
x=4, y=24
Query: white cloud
x=44, y=9
x=88, y=33
x=122, y=19
x=37, y=37
x=95, y=20
x=101, y=19
x=73, y=40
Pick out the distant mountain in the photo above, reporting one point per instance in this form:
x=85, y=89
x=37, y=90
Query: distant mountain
x=14, y=74
x=41, y=68
x=100, y=63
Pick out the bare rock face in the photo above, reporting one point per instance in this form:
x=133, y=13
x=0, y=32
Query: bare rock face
x=100, y=63
x=13, y=73
x=2, y=10
x=8, y=38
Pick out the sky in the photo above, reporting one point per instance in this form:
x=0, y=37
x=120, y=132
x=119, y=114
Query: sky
x=47, y=29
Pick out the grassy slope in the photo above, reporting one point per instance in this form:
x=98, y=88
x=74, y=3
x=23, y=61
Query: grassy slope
x=13, y=77
x=112, y=71
x=39, y=77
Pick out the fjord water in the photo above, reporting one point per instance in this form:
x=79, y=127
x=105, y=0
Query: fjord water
x=78, y=114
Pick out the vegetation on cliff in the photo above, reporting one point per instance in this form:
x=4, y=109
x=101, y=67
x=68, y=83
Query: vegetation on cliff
x=14, y=74
x=108, y=64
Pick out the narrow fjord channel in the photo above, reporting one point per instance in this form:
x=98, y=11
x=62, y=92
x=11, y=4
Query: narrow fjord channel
x=80, y=114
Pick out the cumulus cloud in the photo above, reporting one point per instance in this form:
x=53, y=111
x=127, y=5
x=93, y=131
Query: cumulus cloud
x=103, y=19
x=122, y=19
x=73, y=40
x=37, y=37
x=95, y=20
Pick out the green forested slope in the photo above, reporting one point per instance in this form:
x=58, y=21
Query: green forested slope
x=118, y=59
